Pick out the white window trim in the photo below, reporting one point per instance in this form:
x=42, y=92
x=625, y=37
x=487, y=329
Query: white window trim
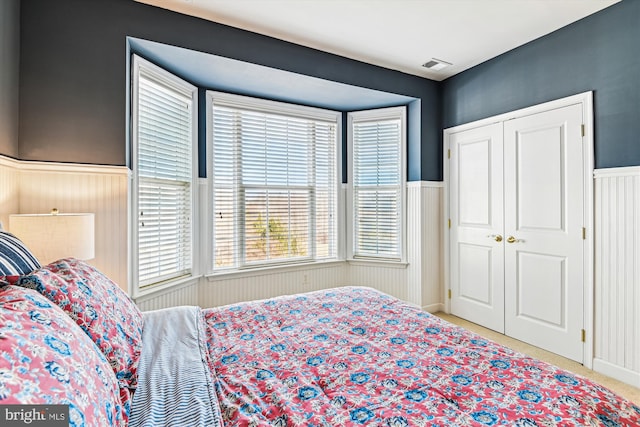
x=270, y=106
x=373, y=115
x=182, y=86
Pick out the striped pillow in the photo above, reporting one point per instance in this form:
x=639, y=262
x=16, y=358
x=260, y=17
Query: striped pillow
x=15, y=259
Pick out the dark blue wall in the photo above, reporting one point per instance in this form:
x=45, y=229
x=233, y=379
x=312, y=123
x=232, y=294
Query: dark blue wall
x=73, y=76
x=9, y=75
x=599, y=53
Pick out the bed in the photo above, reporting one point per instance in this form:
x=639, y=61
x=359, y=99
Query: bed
x=347, y=356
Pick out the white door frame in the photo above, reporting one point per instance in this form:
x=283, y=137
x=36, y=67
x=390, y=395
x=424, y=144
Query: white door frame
x=586, y=99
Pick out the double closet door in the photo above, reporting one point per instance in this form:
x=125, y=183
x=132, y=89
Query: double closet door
x=516, y=205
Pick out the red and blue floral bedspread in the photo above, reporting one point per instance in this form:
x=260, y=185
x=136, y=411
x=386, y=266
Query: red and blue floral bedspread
x=354, y=356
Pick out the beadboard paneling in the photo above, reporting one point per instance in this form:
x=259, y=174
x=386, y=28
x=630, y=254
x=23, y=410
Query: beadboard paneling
x=414, y=245
x=424, y=245
x=245, y=286
x=186, y=294
x=9, y=190
x=101, y=190
x=390, y=278
x=431, y=238
x=617, y=274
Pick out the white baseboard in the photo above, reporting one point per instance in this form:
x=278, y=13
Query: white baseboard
x=617, y=372
x=433, y=308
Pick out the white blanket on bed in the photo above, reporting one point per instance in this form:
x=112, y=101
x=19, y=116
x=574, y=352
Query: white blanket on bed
x=175, y=383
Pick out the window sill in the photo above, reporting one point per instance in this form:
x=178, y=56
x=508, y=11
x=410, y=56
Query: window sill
x=258, y=271
x=377, y=262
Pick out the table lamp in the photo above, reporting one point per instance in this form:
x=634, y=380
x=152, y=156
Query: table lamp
x=54, y=236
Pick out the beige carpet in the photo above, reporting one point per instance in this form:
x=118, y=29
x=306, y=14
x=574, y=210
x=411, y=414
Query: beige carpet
x=626, y=390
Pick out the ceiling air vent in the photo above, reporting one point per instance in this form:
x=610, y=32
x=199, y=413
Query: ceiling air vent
x=436, y=64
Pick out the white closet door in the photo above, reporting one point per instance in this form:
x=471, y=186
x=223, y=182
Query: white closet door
x=544, y=197
x=476, y=210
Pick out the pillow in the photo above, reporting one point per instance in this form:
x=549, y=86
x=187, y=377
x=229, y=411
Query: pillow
x=47, y=359
x=15, y=259
x=99, y=307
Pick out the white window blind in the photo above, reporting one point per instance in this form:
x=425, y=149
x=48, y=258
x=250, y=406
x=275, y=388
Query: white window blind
x=377, y=140
x=164, y=173
x=274, y=180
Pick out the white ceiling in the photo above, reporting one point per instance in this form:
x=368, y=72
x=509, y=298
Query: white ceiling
x=398, y=34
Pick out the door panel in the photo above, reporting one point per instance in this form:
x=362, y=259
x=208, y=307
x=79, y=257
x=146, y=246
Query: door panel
x=541, y=289
x=475, y=276
x=476, y=208
x=474, y=167
x=540, y=179
x=544, y=216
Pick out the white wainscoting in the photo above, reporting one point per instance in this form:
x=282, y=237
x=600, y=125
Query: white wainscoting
x=184, y=294
x=244, y=286
x=37, y=187
x=414, y=246
x=617, y=274
x=431, y=239
x=390, y=278
x=101, y=190
x=9, y=190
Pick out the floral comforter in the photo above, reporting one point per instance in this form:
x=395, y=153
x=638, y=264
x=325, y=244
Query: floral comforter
x=354, y=356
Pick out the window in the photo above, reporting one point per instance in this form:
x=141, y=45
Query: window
x=163, y=159
x=274, y=179
x=377, y=144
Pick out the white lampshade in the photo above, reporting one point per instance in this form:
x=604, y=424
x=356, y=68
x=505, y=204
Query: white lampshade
x=51, y=237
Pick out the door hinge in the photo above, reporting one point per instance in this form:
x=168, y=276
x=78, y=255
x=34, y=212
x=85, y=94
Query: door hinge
x=449, y=293
x=449, y=154
x=584, y=233
x=583, y=130
x=583, y=335
x=449, y=223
